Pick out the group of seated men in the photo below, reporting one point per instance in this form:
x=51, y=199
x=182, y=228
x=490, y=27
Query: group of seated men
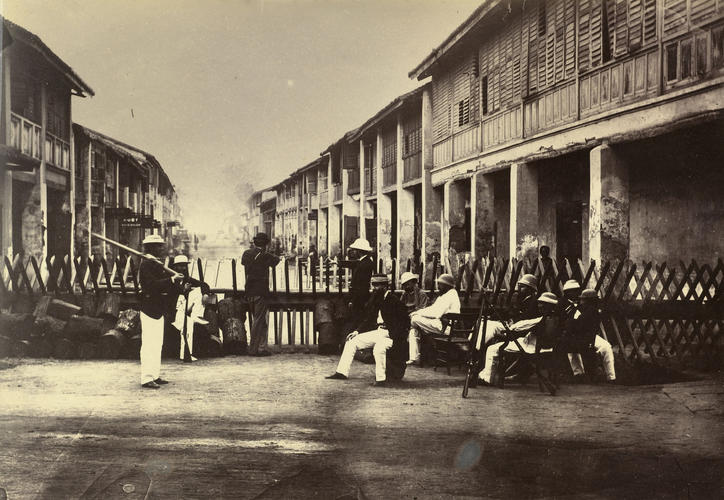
x=386, y=321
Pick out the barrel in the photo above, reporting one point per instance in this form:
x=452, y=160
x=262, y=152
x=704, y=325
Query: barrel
x=234, y=337
x=327, y=339
x=111, y=344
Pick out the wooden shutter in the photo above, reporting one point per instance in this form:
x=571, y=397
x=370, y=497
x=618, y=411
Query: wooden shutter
x=584, y=21
x=532, y=62
x=551, y=54
x=440, y=106
x=621, y=29
x=635, y=17
x=702, y=10
x=674, y=16
x=542, y=75
x=570, y=38
x=595, y=33
x=649, y=21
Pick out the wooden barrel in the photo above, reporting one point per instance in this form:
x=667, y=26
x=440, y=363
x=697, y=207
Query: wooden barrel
x=64, y=348
x=234, y=337
x=88, y=303
x=327, y=339
x=111, y=344
x=109, y=305
x=133, y=347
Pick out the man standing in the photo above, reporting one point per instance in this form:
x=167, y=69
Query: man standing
x=257, y=262
x=158, y=295
x=427, y=320
x=359, y=287
x=384, y=323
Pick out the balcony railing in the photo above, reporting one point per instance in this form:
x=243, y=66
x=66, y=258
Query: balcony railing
x=337, y=193
x=412, y=167
x=389, y=175
x=25, y=136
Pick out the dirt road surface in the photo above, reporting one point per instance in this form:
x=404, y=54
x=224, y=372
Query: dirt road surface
x=244, y=427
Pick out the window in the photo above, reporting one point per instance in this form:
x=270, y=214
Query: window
x=686, y=59
x=701, y=59
x=464, y=112
x=717, y=48
x=672, y=53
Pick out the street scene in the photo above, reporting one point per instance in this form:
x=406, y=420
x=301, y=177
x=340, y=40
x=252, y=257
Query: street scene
x=346, y=250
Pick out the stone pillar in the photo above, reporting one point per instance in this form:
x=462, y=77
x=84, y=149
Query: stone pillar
x=6, y=176
x=405, y=210
x=482, y=202
x=72, y=186
x=42, y=177
x=384, y=213
x=523, y=211
x=609, y=229
x=350, y=208
x=431, y=202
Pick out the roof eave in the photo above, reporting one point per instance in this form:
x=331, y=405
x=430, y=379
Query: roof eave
x=422, y=70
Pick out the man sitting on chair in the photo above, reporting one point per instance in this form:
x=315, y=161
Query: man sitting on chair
x=582, y=329
x=548, y=304
x=384, y=322
x=426, y=321
x=525, y=311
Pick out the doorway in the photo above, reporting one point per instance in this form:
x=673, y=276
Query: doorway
x=569, y=238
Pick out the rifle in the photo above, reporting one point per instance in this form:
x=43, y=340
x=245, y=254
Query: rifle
x=131, y=250
x=473, y=355
x=187, y=349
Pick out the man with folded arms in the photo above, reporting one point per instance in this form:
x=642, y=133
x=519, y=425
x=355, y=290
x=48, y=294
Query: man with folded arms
x=426, y=321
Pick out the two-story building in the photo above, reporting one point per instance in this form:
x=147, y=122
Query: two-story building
x=593, y=127
x=37, y=164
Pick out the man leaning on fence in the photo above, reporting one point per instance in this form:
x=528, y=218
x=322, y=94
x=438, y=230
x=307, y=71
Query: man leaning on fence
x=257, y=262
x=426, y=321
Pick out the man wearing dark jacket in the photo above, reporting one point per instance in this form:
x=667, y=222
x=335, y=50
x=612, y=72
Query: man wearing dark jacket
x=159, y=292
x=257, y=262
x=384, y=325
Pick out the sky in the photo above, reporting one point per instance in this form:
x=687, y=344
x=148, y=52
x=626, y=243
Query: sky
x=226, y=92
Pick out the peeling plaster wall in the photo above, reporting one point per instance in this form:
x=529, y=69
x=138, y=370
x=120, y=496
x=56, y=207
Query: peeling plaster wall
x=677, y=196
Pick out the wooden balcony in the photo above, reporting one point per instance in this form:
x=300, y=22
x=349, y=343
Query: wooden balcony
x=25, y=136
x=57, y=152
x=412, y=167
x=389, y=175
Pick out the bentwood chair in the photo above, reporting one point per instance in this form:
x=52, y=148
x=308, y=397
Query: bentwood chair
x=452, y=346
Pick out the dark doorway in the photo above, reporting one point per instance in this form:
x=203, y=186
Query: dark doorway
x=371, y=227
x=351, y=230
x=569, y=240
x=58, y=224
x=417, y=225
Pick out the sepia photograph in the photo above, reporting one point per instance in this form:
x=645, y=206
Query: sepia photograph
x=361, y=249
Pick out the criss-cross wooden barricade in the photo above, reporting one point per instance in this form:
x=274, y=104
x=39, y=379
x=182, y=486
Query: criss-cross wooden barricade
x=661, y=312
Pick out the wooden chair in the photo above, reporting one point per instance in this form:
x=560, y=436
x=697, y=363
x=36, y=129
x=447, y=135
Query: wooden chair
x=452, y=346
x=542, y=357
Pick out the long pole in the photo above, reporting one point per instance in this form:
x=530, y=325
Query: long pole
x=131, y=250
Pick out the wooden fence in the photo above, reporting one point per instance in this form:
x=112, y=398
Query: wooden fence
x=662, y=312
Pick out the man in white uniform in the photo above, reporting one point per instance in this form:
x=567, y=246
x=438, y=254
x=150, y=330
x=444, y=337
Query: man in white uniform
x=426, y=321
x=190, y=302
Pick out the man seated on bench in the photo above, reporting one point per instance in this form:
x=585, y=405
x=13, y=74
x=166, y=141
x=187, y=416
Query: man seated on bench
x=548, y=305
x=525, y=311
x=426, y=321
x=582, y=329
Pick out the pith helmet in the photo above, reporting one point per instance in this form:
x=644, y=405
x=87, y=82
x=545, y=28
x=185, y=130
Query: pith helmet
x=589, y=294
x=446, y=279
x=408, y=276
x=180, y=259
x=571, y=285
x=152, y=239
x=361, y=244
x=548, y=298
x=529, y=280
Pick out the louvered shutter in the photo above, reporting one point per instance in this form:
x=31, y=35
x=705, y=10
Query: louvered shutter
x=674, y=16
x=559, y=30
x=570, y=35
x=440, y=106
x=595, y=34
x=621, y=36
x=550, y=44
x=635, y=16
x=649, y=21
x=532, y=30
x=702, y=10
x=584, y=17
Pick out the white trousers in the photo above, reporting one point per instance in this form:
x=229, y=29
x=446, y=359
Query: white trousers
x=379, y=340
x=418, y=326
x=604, y=350
x=151, y=344
x=493, y=353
